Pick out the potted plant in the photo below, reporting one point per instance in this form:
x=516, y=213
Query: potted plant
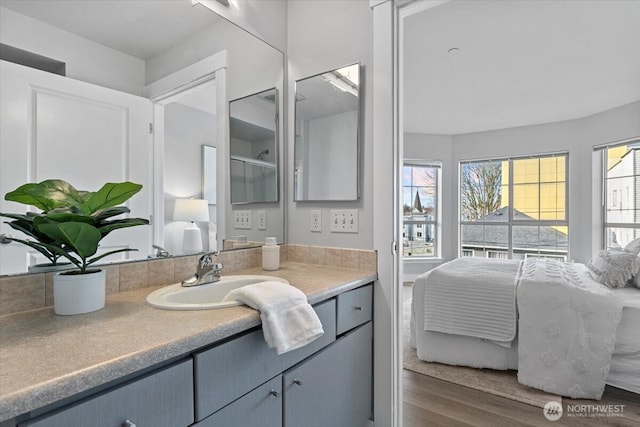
x=71, y=225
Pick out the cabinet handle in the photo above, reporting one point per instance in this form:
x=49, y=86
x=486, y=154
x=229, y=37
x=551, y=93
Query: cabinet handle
x=297, y=382
x=274, y=393
x=128, y=423
x=358, y=308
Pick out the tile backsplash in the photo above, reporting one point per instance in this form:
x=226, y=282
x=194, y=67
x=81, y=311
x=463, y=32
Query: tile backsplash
x=32, y=291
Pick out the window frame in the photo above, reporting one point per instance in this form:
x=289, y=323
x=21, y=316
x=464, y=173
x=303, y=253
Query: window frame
x=436, y=223
x=511, y=221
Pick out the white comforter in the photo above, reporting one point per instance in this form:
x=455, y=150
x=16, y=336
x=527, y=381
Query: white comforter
x=567, y=329
x=472, y=297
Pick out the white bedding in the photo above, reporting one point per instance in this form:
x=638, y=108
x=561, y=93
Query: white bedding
x=567, y=329
x=481, y=303
x=467, y=351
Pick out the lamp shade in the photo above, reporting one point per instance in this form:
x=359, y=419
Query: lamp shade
x=191, y=210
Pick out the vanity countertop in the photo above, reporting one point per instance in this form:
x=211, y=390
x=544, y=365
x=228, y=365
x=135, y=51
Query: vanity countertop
x=45, y=358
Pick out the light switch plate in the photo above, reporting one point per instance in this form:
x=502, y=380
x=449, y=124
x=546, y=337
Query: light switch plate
x=344, y=221
x=242, y=220
x=262, y=219
x=316, y=221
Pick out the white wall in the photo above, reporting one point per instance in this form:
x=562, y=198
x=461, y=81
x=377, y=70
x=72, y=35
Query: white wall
x=324, y=35
x=244, y=51
x=85, y=60
x=328, y=148
x=267, y=19
x=577, y=137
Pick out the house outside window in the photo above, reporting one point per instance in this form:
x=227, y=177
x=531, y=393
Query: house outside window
x=420, y=184
x=514, y=207
x=621, y=180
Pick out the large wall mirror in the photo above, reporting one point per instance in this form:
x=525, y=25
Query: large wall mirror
x=253, y=134
x=99, y=122
x=327, y=112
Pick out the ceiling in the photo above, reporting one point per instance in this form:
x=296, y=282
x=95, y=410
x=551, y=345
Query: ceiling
x=518, y=63
x=141, y=28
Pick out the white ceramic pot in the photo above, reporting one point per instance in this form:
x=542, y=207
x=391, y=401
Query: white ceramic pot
x=78, y=293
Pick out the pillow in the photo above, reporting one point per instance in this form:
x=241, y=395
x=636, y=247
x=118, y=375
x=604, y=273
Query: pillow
x=613, y=268
x=633, y=246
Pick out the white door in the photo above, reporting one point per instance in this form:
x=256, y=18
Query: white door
x=55, y=127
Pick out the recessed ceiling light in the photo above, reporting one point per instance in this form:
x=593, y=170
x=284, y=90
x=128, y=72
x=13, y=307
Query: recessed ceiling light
x=453, y=51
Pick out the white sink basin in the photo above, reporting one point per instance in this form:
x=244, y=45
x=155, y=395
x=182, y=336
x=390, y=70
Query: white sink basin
x=204, y=297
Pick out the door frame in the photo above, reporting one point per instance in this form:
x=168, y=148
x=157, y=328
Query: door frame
x=165, y=91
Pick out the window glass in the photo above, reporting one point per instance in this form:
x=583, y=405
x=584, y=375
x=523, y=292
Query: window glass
x=420, y=209
x=621, y=194
x=528, y=195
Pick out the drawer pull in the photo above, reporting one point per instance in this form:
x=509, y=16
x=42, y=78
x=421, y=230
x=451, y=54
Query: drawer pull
x=128, y=423
x=297, y=382
x=274, y=393
x=358, y=308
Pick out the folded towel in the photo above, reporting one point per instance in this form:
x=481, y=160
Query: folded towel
x=288, y=321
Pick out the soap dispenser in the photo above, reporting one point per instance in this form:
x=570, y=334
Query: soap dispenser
x=270, y=254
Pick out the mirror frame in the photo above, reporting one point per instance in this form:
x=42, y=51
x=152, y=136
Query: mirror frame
x=358, y=140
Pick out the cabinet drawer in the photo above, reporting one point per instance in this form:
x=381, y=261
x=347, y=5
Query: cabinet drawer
x=162, y=398
x=232, y=369
x=354, y=308
x=261, y=407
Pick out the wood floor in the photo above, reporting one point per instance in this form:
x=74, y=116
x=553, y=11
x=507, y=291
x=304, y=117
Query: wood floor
x=432, y=402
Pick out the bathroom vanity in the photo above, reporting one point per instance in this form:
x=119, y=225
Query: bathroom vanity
x=132, y=365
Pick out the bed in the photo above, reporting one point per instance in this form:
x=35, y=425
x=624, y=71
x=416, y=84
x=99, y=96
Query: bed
x=560, y=328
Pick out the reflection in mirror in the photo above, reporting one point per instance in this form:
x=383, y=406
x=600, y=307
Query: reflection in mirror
x=209, y=160
x=93, y=125
x=326, y=136
x=253, y=130
x=189, y=121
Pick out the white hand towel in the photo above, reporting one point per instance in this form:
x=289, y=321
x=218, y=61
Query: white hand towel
x=288, y=321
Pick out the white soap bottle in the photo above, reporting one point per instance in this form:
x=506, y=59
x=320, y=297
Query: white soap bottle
x=270, y=254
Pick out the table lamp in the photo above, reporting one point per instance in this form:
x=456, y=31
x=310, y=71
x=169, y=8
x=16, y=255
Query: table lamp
x=191, y=210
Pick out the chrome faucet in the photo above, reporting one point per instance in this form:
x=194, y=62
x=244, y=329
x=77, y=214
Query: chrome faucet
x=207, y=271
x=160, y=252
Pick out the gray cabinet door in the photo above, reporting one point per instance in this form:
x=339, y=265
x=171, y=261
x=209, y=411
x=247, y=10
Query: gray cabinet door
x=230, y=370
x=334, y=387
x=260, y=408
x=161, y=399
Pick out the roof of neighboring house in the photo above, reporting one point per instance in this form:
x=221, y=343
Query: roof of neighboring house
x=524, y=237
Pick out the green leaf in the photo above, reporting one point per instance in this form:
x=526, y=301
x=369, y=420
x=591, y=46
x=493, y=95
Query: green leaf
x=111, y=194
x=103, y=214
x=99, y=257
x=68, y=217
x=81, y=238
x=46, y=195
x=107, y=227
x=44, y=249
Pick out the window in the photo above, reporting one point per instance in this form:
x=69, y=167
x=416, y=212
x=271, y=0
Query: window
x=420, y=186
x=510, y=208
x=621, y=180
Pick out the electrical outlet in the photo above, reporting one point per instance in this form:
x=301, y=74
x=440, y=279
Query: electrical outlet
x=316, y=221
x=344, y=221
x=262, y=219
x=242, y=220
